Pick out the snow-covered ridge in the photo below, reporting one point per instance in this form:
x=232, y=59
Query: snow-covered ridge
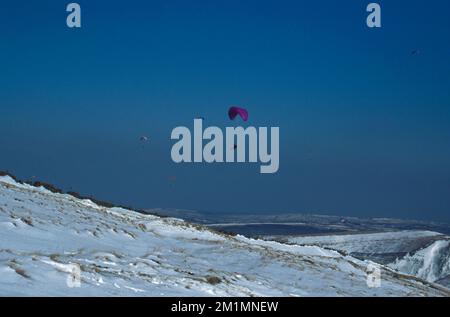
x=424, y=254
x=122, y=252
x=431, y=263
x=383, y=242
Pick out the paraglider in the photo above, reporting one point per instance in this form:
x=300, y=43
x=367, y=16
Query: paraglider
x=235, y=111
x=415, y=52
x=172, y=179
x=144, y=139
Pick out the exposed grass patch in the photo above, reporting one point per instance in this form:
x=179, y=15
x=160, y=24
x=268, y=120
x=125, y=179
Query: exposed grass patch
x=27, y=220
x=22, y=272
x=13, y=265
x=213, y=280
x=48, y=186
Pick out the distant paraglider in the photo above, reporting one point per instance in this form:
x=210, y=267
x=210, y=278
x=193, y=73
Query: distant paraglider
x=233, y=112
x=144, y=139
x=172, y=179
x=415, y=52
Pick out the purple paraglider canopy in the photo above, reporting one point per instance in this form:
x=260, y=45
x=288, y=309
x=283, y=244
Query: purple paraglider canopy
x=234, y=111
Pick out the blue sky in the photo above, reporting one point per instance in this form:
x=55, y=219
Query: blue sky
x=364, y=124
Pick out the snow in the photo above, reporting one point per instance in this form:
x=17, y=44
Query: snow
x=45, y=236
x=431, y=263
x=424, y=254
x=383, y=242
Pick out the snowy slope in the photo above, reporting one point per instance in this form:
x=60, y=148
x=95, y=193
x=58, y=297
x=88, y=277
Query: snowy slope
x=431, y=263
x=383, y=242
x=424, y=254
x=124, y=253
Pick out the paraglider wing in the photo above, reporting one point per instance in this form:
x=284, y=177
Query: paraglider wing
x=234, y=111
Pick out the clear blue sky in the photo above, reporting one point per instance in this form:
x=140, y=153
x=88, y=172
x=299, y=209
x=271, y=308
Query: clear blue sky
x=365, y=125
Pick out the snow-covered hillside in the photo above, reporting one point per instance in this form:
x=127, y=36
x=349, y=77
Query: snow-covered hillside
x=397, y=242
x=424, y=254
x=121, y=252
x=431, y=263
